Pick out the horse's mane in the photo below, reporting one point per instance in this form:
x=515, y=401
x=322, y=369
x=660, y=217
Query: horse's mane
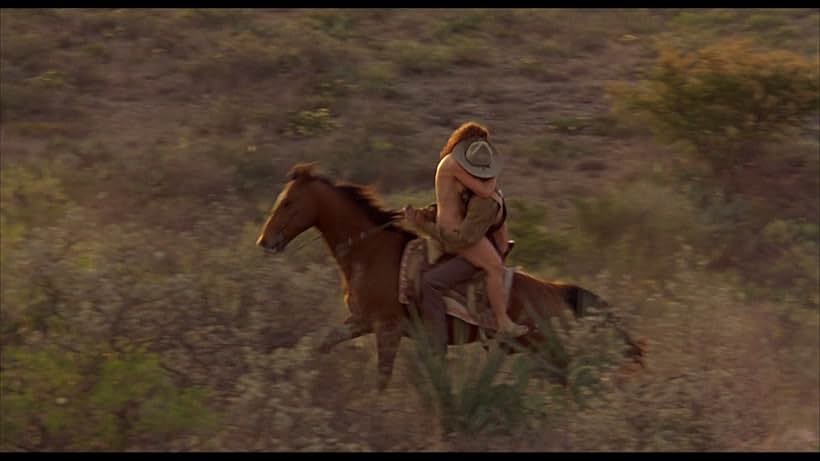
x=363, y=196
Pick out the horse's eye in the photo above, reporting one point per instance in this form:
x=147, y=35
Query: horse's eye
x=285, y=204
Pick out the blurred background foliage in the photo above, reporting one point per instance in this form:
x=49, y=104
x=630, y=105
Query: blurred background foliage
x=664, y=159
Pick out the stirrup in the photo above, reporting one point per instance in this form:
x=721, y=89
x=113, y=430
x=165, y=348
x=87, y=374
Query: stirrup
x=482, y=336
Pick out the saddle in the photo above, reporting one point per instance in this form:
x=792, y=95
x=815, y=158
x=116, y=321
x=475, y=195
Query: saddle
x=467, y=301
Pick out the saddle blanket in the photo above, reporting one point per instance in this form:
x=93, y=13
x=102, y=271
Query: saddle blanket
x=467, y=300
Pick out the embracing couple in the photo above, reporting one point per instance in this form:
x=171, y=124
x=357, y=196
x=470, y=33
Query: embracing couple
x=470, y=224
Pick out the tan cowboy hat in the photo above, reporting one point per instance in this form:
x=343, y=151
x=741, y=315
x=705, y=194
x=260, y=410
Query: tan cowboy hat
x=478, y=157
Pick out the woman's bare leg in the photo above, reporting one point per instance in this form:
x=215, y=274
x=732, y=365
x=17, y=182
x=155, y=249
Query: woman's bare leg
x=484, y=256
x=501, y=238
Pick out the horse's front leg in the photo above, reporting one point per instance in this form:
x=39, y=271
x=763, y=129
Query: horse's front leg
x=352, y=329
x=388, y=336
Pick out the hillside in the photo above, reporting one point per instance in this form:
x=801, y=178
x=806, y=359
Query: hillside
x=142, y=149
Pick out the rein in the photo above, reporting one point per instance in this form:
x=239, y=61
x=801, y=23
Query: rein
x=304, y=244
x=343, y=247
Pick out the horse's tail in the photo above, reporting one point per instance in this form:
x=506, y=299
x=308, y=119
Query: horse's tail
x=582, y=301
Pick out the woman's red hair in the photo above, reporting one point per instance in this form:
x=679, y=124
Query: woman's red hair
x=466, y=130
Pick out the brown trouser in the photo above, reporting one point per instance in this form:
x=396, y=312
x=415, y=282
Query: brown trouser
x=434, y=283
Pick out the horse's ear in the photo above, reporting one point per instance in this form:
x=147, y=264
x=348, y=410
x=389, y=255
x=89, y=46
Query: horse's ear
x=302, y=170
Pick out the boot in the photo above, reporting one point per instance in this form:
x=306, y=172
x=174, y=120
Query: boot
x=512, y=329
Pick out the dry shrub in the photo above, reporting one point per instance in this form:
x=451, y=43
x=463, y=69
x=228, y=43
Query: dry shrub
x=415, y=58
x=631, y=230
x=726, y=100
x=724, y=369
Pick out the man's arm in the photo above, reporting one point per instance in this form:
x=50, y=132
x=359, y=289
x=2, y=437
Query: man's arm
x=423, y=220
x=482, y=188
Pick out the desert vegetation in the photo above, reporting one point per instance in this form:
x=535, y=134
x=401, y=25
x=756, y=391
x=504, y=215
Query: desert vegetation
x=665, y=159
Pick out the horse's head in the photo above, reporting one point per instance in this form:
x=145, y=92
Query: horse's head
x=295, y=210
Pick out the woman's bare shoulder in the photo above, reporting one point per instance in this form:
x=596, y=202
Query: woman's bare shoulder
x=446, y=165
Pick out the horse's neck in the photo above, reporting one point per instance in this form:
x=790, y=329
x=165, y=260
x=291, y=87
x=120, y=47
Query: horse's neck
x=338, y=222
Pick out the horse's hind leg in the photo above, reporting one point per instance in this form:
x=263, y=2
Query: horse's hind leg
x=551, y=362
x=351, y=330
x=388, y=336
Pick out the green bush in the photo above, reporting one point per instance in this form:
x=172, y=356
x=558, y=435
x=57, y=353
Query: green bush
x=539, y=69
x=369, y=158
x=380, y=78
x=24, y=48
x=551, y=48
x=790, y=248
x=549, y=151
x=100, y=303
x=589, y=34
x=466, y=51
x=29, y=198
x=311, y=122
x=535, y=246
x=215, y=17
x=46, y=97
x=465, y=397
x=725, y=100
x=242, y=58
x=765, y=21
x=44, y=394
x=471, y=394
x=635, y=229
x=334, y=23
x=418, y=58
x=705, y=18
x=460, y=23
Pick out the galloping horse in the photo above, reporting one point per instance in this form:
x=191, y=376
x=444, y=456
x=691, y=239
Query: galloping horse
x=367, y=247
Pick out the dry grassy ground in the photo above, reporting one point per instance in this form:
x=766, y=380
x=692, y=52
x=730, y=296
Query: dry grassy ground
x=141, y=150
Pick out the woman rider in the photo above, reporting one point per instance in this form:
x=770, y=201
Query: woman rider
x=468, y=164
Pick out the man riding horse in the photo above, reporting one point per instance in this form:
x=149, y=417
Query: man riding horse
x=369, y=251
x=470, y=223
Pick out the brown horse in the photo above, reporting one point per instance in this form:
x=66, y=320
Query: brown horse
x=367, y=247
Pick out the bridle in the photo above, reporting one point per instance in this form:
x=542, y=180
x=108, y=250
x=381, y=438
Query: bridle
x=343, y=247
